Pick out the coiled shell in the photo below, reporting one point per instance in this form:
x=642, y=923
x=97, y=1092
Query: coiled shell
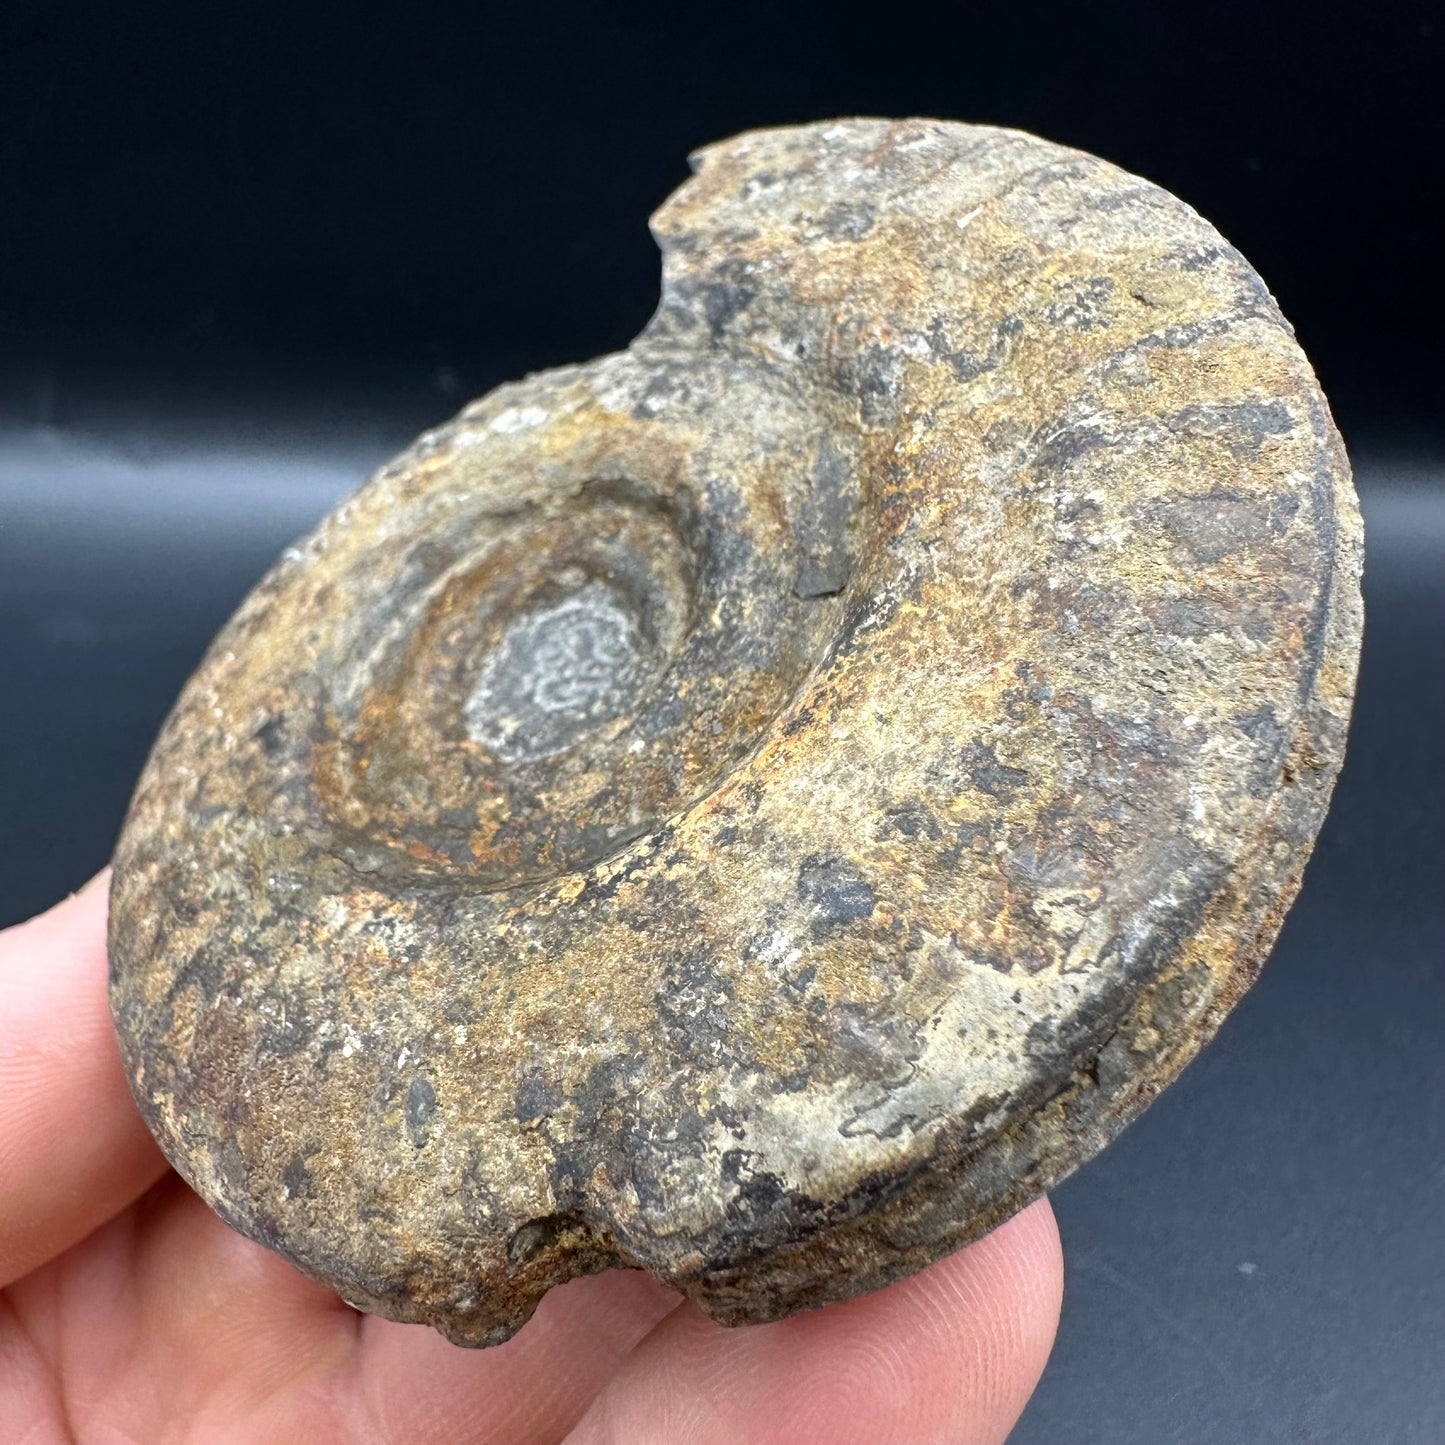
x=765, y=805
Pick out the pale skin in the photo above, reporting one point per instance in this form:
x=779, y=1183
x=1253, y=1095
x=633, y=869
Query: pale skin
x=131, y=1313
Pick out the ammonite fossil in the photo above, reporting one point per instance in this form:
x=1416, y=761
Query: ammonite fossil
x=763, y=806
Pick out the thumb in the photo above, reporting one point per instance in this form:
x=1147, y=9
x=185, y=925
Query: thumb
x=949, y=1355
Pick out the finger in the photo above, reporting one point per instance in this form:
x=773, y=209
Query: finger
x=951, y=1354
x=254, y=1338
x=226, y=1337
x=30, y=1403
x=73, y=1149
x=164, y=1317
x=216, y=1327
x=528, y=1391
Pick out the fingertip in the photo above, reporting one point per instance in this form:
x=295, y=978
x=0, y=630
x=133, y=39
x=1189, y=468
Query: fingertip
x=98, y=883
x=73, y=1149
x=70, y=922
x=1005, y=1293
x=951, y=1353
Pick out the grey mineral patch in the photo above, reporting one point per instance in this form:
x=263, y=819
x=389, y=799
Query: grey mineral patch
x=558, y=672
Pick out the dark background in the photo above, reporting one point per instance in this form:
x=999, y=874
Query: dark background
x=248, y=251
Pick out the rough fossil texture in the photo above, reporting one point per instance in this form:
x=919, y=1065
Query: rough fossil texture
x=763, y=806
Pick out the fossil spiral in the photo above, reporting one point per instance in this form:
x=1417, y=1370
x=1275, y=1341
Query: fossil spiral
x=764, y=805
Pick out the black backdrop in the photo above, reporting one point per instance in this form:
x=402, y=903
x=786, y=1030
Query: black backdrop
x=463, y=188
x=247, y=250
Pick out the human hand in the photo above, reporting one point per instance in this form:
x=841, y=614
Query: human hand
x=130, y=1312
